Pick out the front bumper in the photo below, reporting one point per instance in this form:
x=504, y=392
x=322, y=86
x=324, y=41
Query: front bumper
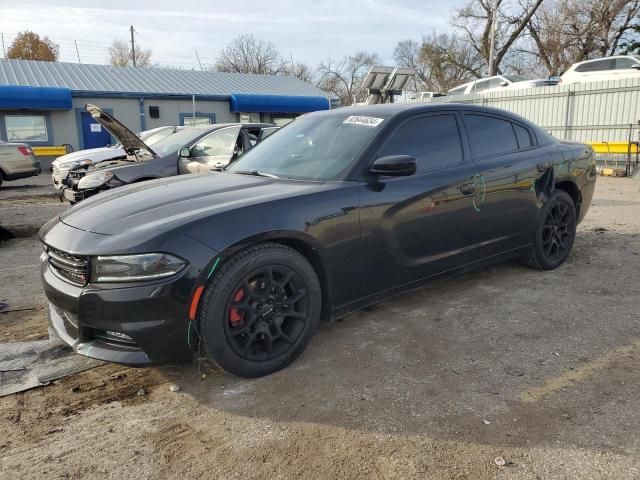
x=135, y=325
x=74, y=196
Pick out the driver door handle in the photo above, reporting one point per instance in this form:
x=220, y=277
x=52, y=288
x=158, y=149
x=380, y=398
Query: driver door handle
x=468, y=188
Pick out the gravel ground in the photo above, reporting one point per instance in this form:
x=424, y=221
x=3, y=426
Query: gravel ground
x=537, y=368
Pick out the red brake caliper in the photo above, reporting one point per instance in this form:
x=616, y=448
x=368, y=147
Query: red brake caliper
x=236, y=317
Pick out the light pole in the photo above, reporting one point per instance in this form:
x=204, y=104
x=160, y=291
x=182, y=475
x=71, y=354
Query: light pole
x=492, y=37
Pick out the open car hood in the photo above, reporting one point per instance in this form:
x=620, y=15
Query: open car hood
x=129, y=140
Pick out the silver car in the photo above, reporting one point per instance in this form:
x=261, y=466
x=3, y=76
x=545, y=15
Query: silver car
x=17, y=161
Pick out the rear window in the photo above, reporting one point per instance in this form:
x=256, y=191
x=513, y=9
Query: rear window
x=490, y=136
x=624, y=63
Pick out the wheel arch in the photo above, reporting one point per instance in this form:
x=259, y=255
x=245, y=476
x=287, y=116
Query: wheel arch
x=574, y=192
x=301, y=243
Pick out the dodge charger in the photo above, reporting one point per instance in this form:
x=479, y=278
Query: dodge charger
x=336, y=211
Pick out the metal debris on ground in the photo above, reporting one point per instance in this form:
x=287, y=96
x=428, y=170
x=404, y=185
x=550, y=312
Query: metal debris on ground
x=26, y=365
x=486, y=422
x=174, y=388
x=500, y=461
x=141, y=392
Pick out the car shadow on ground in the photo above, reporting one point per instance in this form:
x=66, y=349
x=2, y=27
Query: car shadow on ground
x=503, y=356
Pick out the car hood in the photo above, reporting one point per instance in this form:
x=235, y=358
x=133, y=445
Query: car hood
x=129, y=140
x=168, y=202
x=93, y=154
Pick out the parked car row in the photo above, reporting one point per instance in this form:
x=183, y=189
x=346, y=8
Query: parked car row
x=84, y=158
x=180, y=150
x=599, y=69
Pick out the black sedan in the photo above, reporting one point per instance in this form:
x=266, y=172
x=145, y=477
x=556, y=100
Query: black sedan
x=191, y=150
x=335, y=212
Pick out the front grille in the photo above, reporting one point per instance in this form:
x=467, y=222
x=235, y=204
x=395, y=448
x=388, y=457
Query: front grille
x=71, y=267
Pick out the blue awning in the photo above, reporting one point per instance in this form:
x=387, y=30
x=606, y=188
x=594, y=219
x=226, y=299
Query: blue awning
x=15, y=97
x=277, y=103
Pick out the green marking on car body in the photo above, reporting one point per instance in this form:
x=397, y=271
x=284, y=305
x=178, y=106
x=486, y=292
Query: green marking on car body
x=215, y=264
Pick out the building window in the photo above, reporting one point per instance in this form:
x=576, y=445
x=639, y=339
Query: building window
x=26, y=128
x=249, y=118
x=281, y=121
x=195, y=121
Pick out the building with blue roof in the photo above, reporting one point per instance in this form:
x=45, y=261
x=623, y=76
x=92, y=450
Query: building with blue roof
x=42, y=103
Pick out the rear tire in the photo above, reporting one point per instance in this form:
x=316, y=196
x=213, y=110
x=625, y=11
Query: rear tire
x=1, y=178
x=555, y=233
x=260, y=310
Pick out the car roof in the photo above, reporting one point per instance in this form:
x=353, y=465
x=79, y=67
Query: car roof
x=216, y=126
x=635, y=57
x=396, y=109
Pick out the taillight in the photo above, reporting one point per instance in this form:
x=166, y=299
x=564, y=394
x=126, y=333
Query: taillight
x=26, y=151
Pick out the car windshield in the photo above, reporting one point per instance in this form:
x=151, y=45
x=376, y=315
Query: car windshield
x=319, y=148
x=514, y=78
x=173, y=143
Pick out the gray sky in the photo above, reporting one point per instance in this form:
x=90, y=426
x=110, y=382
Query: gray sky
x=307, y=30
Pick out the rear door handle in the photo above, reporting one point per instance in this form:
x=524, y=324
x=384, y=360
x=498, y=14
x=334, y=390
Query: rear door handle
x=468, y=188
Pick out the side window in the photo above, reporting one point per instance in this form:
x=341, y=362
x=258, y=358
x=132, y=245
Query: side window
x=597, y=66
x=219, y=144
x=434, y=141
x=490, y=136
x=624, y=63
x=523, y=136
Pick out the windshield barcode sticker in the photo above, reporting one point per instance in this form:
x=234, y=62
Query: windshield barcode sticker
x=367, y=121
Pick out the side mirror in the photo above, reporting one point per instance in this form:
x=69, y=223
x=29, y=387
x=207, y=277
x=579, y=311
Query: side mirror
x=504, y=84
x=636, y=66
x=184, y=152
x=394, y=166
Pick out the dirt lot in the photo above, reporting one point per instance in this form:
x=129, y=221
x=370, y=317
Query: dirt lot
x=540, y=369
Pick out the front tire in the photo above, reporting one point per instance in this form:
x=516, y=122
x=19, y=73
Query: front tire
x=555, y=233
x=260, y=310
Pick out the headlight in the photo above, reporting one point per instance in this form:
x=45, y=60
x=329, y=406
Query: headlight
x=133, y=268
x=95, y=180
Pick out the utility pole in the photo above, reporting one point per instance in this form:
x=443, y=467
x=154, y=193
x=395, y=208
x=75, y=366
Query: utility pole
x=199, y=63
x=77, y=52
x=4, y=52
x=133, y=47
x=492, y=37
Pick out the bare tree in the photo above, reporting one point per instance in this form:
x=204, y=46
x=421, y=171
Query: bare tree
x=407, y=54
x=119, y=55
x=568, y=31
x=303, y=72
x=247, y=54
x=450, y=60
x=512, y=17
x=344, y=78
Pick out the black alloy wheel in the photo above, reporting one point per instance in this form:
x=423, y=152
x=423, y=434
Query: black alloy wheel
x=555, y=233
x=260, y=310
x=267, y=313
